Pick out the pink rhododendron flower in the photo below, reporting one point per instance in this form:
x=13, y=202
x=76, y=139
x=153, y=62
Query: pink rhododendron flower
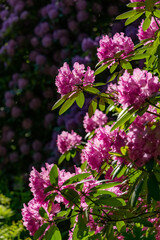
x=110, y=46
x=135, y=89
x=67, y=80
x=143, y=144
x=150, y=32
x=97, y=120
x=66, y=141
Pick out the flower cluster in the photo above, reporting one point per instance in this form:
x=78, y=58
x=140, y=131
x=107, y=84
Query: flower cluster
x=67, y=80
x=136, y=88
x=110, y=46
x=66, y=141
x=97, y=120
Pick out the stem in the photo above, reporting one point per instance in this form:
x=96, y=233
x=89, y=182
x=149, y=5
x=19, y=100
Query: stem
x=153, y=113
x=96, y=205
x=156, y=22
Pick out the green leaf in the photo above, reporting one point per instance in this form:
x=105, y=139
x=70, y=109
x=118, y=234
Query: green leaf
x=153, y=187
x=102, y=68
x=76, y=178
x=102, y=105
x=105, y=186
x=43, y=213
x=60, y=101
x=99, y=84
x=71, y=195
x=124, y=118
x=120, y=226
x=133, y=18
x=127, y=14
x=139, y=56
x=68, y=156
x=53, y=175
x=68, y=103
x=81, y=229
x=143, y=221
x=53, y=233
x=114, y=75
x=136, y=192
x=40, y=231
x=61, y=159
x=48, y=189
x=80, y=99
x=125, y=64
x=92, y=107
x=149, y=5
x=110, y=201
x=91, y=90
x=113, y=67
x=157, y=13
x=146, y=23
x=119, y=171
x=51, y=197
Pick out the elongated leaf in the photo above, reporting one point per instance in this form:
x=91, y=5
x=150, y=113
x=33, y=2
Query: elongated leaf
x=139, y=56
x=53, y=175
x=102, y=68
x=81, y=229
x=91, y=90
x=133, y=18
x=105, y=186
x=157, y=13
x=102, y=104
x=99, y=84
x=146, y=23
x=43, y=213
x=60, y=101
x=71, y=195
x=40, y=231
x=61, y=159
x=114, y=75
x=126, y=65
x=76, y=178
x=51, y=197
x=153, y=187
x=110, y=201
x=123, y=119
x=80, y=99
x=143, y=221
x=136, y=192
x=67, y=104
x=92, y=107
x=113, y=67
x=53, y=233
x=127, y=14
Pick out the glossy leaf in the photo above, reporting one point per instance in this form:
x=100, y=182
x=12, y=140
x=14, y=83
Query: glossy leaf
x=61, y=159
x=153, y=187
x=102, y=105
x=102, y=68
x=80, y=99
x=123, y=119
x=105, y=186
x=76, y=178
x=113, y=67
x=53, y=175
x=92, y=107
x=133, y=18
x=68, y=103
x=40, y=231
x=136, y=192
x=127, y=14
x=53, y=233
x=146, y=23
x=71, y=195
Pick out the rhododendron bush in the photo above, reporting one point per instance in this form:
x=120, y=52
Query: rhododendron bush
x=114, y=190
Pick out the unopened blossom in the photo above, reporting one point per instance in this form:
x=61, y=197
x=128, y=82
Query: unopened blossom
x=67, y=80
x=110, y=46
x=66, y=141
x=97, y=120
